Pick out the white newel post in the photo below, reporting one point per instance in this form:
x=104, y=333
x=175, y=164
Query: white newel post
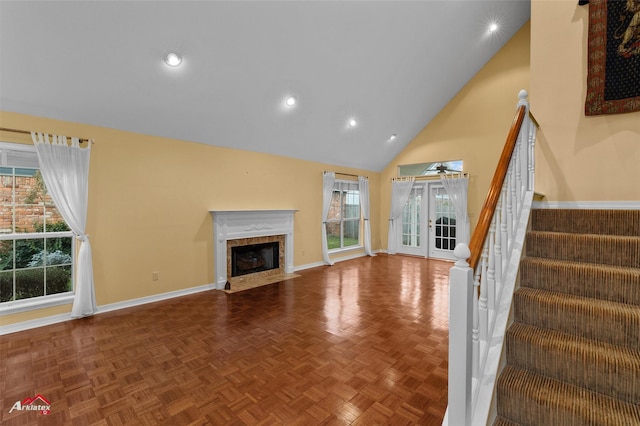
x=460, y=349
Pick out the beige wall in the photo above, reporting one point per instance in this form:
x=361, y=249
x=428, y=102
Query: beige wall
x=578, y=158
x=150, y=196
x=472, y=127
x=149, y=206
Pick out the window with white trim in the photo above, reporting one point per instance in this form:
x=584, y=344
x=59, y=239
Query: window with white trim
x=36, y=245
x=343, y=222
x=430, y=169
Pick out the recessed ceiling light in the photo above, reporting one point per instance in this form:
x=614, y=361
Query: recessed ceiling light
x=353, y=122
x=392, y=137
x=173, y=59
x=493, y=27
x=290, y=101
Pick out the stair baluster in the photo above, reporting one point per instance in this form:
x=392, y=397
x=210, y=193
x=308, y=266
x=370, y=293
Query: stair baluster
x=475, y=333
x=491, y=267
x=482, y=301
x=476, y=287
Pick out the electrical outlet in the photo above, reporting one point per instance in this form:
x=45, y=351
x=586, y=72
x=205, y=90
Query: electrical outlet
x=154, y=276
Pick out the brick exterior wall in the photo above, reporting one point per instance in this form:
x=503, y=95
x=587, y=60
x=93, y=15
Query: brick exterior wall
x=334, y=211
x=30, y=204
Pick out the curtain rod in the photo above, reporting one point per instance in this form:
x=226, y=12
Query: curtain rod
x=348, y=174
x=25, y=132
x=429, y=177
x=464, y=174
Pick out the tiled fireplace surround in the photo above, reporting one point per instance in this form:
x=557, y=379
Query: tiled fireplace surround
x=234, y=228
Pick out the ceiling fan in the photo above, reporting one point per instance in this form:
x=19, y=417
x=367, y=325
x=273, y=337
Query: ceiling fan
x=444, y=169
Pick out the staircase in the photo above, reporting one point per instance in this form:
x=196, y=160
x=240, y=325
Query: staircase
x=573, y=351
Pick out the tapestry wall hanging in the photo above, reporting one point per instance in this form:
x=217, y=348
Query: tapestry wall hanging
x=613, y=74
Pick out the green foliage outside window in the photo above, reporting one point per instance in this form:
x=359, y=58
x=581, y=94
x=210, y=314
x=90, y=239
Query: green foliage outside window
x=38, y=192
x=30, y=262
x=333, y=241
x=29, y=282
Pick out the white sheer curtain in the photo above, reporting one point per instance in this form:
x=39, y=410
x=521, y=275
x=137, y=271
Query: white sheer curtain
x=328, y=179
x=364, y=204
x=65, y=171
x=400, y=191
x=457, y=186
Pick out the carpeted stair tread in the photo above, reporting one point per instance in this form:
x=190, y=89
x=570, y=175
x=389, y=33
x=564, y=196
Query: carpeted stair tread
x=602, y=249
x=597, y=366
x=527, y=398
x=606, y=282
x=610, y=322
x=573, y=351
x=587, y=221
x=501, y=421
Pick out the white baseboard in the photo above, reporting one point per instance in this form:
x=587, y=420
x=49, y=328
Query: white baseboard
x=307, y=266
x=154, y=298
x=349, y=257
x=595, y=205
x=40, y=322
x=336, y=260
x=54, y=319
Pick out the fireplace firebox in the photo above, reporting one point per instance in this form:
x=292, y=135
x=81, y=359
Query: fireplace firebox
x=252, y=258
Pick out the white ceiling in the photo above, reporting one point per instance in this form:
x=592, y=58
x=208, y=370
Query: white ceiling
x=393, y=65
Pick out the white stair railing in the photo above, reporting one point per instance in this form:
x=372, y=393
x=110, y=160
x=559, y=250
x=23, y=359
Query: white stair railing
x=480, y=290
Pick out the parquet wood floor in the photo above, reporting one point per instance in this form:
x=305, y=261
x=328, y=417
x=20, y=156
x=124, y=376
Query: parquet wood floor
x=362, y=342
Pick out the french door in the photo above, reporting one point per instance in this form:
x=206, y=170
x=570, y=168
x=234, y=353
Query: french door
x=428, y=223
x=411, y=239
x=442, y=223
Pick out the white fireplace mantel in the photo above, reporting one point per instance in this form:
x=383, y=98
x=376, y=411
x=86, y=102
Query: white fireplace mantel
x=236, y=224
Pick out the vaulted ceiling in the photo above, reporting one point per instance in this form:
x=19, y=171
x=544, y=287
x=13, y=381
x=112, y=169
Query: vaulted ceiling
x=389, y=65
